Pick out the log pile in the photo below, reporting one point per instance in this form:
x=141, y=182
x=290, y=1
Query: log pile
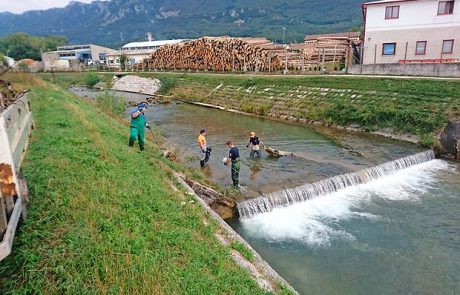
x=333, y=49
x=218, y=54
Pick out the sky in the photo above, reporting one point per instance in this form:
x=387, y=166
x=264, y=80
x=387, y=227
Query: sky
x=19, y=6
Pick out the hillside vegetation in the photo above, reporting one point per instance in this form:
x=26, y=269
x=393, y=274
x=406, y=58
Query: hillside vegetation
x=119, y=21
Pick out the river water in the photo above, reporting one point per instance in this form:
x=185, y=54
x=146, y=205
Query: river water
x=399, y=234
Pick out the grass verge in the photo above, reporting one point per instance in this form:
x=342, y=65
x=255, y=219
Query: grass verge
x=104, y=218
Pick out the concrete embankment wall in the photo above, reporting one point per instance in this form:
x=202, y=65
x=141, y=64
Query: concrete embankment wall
x=430, y=70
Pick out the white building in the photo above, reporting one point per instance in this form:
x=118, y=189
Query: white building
x=65, y=56
x=411, y=31
x=136, y=52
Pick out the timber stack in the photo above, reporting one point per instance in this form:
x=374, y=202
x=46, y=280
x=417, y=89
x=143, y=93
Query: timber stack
x=217, y=54
x=331, y=49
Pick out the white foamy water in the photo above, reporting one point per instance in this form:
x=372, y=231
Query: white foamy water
x=316, y=222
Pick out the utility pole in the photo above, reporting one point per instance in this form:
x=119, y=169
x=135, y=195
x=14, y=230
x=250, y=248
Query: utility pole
x=286, y=60
x=52, y=74
x=284, y=32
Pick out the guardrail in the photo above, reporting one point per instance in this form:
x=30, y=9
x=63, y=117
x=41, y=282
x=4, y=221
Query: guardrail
x=15, y=128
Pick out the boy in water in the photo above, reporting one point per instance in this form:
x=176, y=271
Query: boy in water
x=255, y=142
x=203, y=148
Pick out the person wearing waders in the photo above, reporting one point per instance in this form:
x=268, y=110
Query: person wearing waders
x=234, y=158
x=138, y=124
x=206, y=152
x=255, y=145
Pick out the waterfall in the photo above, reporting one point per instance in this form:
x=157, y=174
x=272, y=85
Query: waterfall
x=267, y=203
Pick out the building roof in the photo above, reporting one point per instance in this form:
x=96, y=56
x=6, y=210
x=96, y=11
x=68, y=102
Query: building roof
x=152, y=43
x=384, y=2
x=331, y=35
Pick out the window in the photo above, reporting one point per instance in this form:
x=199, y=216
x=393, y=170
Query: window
x=420, y=48
x=447, y=46
x=389, y=49
x=445, y=7
x=392, y=12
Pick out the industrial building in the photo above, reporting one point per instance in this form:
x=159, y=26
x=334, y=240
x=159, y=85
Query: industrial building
x=73, y=57
x=136, y=52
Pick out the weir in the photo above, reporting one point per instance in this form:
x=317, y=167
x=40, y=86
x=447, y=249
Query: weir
x=267, y=203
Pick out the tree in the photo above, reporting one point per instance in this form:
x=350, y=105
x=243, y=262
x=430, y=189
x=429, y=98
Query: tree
x=123, y=60
x=22, y=45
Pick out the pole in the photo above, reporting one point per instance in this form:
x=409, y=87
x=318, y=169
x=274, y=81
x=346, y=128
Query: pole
x=303, y=61
x=324, y=56
x=52, y=74
x=269, y=62
x=285, y=62
x=375, y=54
x=284, y=30
x=405, y=53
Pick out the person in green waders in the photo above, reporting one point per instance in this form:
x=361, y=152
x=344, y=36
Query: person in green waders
x=234, y=158
x=138, y=124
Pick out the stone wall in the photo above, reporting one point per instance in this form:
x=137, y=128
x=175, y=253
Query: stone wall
x=136, y=84
x=432, y=70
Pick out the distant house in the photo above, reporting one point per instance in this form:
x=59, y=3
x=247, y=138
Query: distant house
x=136, y=52
x=65, y=57
x=411, y=31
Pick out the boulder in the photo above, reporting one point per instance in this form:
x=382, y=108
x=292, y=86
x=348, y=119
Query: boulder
x=450, y=139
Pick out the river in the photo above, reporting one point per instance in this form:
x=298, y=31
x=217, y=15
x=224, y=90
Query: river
x=399, y=234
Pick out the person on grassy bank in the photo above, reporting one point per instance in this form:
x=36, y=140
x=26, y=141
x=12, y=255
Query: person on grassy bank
x=206, y=152
x=138, y=125
x=234, y=158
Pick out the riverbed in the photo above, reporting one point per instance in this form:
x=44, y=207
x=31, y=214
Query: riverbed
x=399, y=234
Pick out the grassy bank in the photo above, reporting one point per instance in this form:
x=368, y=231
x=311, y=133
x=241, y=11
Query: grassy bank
x=104, y=218
x=413, y=106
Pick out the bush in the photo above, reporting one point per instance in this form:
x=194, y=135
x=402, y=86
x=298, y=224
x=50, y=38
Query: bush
x=91, y=79
x=167, y=84
x=111, y=104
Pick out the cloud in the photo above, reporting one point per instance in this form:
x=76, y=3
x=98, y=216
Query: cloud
x=19, y=6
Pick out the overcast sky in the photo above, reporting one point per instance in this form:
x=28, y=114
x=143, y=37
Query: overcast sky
x=18, y=6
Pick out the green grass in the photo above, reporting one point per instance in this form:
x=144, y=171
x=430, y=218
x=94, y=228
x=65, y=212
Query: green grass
x=243, y=250
x=103, y=218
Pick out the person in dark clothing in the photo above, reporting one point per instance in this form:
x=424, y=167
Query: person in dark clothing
x=255, y=142
x=234, y=158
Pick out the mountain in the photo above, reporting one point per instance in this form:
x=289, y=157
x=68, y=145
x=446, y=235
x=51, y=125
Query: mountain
x=115, y=22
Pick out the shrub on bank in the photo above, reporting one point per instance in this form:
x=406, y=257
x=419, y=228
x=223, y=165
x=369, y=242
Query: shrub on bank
x=91, y=79
x=111, y=104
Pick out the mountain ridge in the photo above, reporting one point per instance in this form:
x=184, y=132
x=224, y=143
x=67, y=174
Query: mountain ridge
x=116, y=22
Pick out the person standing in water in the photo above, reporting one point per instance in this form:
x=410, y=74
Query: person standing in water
x=204, y=150
x=255, y=145
x=234, y=158
x=138, y=125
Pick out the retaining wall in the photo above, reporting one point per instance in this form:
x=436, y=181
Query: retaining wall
x=431, y=70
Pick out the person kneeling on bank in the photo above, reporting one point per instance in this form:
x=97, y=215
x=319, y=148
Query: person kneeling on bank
x=138, y=124
x=234, y=158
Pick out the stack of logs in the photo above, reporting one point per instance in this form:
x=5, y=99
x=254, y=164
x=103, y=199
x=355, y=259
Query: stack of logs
x=331, y=49
x=218, y=54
